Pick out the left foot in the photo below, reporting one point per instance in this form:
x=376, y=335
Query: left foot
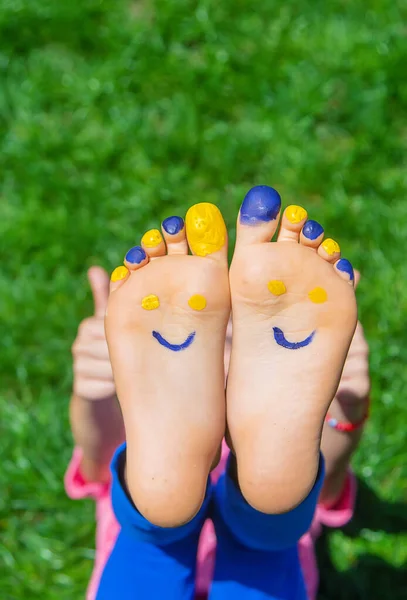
x=165, y=327
x=294, y=315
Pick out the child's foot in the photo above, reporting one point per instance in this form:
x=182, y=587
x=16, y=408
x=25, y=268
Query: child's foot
x=294, y=314
x=165, y=327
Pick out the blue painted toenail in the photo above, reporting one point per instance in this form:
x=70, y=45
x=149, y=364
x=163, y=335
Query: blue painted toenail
x=345, y=266
x=135, y=255
x=173, y=225
x=312, y=230
x=261, y=204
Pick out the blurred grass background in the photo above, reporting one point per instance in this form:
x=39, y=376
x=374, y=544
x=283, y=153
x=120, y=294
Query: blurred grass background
x=115, y=114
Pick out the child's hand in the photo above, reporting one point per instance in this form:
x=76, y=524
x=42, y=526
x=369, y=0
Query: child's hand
x=93, y=377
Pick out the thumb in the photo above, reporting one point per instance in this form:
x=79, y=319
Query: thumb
x=99, y=283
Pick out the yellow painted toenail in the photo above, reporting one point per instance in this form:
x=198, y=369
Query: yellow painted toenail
x=206, y=229
x=277, y=288
x=295, y=214
x=318, y=295
x=151, y=238
x=197, y=302
x=331, y=247
x=150, y=302
x=119, y=273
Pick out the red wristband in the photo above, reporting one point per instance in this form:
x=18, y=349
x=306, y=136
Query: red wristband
x=347, y=427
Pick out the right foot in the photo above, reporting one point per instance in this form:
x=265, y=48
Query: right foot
x=294, y=314
x=165, y=327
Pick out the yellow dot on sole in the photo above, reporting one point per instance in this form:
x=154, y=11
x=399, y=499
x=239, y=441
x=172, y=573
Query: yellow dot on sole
x=331, y=247
x=295, y=214
x=119, y=273
x=150, y=302
x=318, y=295
x=197, y=302
x=277, y=288
x=151, y=238
x=206, y=229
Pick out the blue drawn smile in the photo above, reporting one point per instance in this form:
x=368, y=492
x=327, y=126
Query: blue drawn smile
x=282, y=340
x=174, y=347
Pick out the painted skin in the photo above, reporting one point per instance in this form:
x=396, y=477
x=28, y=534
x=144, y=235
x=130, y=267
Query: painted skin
x=174, y=347
x=278, y=288
x=151, y=302
x=167, y=315
x=282, y=340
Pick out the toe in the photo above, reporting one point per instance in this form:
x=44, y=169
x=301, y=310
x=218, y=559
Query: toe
x=292, y=222
x=206, y=231
x=258, y=217
x=135, y=258
x=329, y=250
x=312, y=234
x=153, y=243
x=118, y=277
x=345, y=270
x=173, y=229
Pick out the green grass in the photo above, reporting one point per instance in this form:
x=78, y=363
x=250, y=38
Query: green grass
x=114, y=114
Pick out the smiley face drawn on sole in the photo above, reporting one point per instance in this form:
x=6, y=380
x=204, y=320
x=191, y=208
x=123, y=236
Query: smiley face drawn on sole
x=196, y=302
x=318, y=296
x=174, y=347
x=282, y=340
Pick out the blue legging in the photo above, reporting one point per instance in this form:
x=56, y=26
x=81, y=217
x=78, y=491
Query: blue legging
x=256, y=557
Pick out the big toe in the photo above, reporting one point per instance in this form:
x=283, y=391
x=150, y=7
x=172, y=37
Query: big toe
x=206, y=231
x=258, y=215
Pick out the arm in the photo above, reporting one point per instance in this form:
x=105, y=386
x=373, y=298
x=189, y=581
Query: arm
x=95, y=415
x=97, y=428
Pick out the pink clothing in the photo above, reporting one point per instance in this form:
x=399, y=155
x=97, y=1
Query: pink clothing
x=107, y=527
